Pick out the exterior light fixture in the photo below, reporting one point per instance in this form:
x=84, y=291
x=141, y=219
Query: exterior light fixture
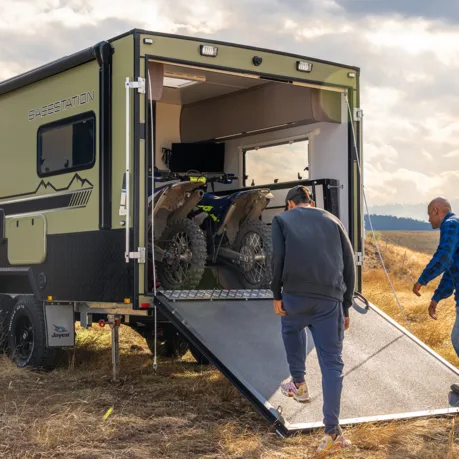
x=208, y=50
x=302, y=66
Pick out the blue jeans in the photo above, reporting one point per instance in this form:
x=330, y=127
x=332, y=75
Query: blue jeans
x=325, y=318
x=455, y=332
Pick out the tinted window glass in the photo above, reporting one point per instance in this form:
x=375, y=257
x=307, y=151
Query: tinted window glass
x=67, y=145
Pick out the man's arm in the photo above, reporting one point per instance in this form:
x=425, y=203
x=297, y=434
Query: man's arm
x=277, y=258
x=349, y=269
x=445, y=289
x=443, y=257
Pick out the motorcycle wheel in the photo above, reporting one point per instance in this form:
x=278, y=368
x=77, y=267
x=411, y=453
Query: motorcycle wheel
x=187, y=243
x=254, y=240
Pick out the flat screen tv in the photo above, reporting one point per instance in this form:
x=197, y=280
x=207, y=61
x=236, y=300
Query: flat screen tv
x=204, y=157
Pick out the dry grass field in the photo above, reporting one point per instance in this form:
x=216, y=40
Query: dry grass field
x=418, y=241
x=188, y=411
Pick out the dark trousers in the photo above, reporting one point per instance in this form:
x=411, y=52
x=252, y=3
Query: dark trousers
x=325, y=319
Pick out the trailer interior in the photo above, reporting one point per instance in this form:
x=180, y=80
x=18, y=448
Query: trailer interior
x=269, y=134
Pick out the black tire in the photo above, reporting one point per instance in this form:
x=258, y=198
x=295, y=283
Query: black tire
x=255, y=275
x=170, y=343
x=200, y=359
x=6, y=306
x=183, y=274
x=27, y=336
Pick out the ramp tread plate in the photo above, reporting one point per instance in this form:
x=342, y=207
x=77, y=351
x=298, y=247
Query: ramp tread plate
x=193, y=295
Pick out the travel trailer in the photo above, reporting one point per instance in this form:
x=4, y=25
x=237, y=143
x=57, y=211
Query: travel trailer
x=138, y=180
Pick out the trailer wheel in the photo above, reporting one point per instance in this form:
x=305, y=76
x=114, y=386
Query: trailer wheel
x=27, y=336
x=254, y=240
x=6, y=306
x=186, y=242
x=169, y=343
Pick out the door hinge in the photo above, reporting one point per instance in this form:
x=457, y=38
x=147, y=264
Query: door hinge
x=139, y=256
x=359, y=258
x=358, y=114
x=139, y=85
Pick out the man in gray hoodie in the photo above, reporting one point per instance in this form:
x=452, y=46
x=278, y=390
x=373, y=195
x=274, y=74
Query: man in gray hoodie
x=313, y=285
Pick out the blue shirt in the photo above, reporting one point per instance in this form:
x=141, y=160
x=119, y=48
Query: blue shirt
x=445, y=260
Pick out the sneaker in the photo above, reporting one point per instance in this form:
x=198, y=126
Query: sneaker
x=300, y=394
x=328, y=445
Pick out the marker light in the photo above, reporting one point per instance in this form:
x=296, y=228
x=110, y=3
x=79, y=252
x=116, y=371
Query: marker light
x=207, y=50
x=302, y=66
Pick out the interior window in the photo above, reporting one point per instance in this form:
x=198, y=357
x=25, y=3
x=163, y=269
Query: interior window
x=285, y=162
x=67, y=145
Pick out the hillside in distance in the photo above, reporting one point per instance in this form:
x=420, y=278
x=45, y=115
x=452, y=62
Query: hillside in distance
x=393, y=223
x=416, y=211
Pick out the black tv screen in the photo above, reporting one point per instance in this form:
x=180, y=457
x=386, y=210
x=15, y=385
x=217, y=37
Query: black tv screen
x=203, y=157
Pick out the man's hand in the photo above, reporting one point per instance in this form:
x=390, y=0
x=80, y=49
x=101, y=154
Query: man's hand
x=416, y=288
x=278, y=308
x=433, y=309
x=347, y=323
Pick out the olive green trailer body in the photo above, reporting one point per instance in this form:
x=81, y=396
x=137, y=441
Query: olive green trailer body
x=63, y=236
x=79, y=138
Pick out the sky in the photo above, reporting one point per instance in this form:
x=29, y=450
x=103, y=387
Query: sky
x=408, y=52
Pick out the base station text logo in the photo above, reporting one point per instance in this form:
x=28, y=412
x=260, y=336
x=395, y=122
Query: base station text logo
x=61, y=105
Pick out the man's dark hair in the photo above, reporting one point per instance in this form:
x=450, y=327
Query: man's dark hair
x=299, y=195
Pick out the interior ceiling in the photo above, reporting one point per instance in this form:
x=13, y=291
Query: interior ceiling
x=215, y=84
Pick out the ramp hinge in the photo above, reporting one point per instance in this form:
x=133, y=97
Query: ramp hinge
x=358, y=114
x=140, y=255
x=359, y=258
x=139, y=85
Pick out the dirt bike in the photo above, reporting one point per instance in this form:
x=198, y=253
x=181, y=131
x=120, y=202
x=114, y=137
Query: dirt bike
x=179, y=243
x=235, y=234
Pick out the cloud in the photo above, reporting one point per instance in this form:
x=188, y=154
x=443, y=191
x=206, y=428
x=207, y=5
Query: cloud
x=408, y=55
x=445, y=10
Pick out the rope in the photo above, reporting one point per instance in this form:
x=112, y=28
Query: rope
x=369, y=218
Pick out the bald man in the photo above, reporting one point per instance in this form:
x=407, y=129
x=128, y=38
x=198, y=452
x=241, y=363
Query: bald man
x=445, y=261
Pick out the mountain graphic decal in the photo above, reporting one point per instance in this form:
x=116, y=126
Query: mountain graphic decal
x=48, y=198
x=76, y=183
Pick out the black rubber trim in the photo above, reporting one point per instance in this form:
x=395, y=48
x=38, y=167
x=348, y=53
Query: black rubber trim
x=2, y=226
x=136, y=169
x=50, y=69
x=142, y=129
x=177, y=320
x=234, y=45
x=104, y=58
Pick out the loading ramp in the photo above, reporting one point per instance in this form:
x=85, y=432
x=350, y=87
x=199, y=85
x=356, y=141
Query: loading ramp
x=388, y=373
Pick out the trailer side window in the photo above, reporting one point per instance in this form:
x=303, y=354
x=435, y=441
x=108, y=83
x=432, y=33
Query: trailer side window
x=67, y=145
x=277, y=163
